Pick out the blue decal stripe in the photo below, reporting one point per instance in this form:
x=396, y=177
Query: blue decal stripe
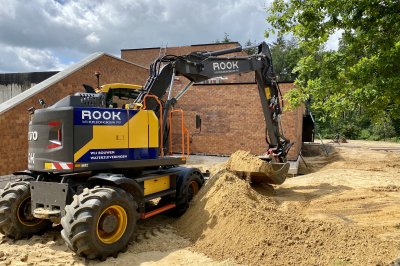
x=132, y=113
x=102, y=116
x=107, y=155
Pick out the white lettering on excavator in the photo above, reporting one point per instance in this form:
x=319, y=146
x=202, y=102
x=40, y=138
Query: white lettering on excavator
x=229, y=65
x=97, y=115
x=31, y=158
x=32, y=135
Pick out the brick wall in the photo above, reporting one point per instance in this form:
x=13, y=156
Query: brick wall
x=231, y=113
x=232, y=119
x=14, y=122
x=292, y=124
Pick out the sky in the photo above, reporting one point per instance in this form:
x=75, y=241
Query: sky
x=42, y=35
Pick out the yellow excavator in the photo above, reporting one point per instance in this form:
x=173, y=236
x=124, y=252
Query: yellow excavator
x=98, y=160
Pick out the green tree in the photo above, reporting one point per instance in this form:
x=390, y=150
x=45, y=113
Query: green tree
x=363, y=73
x=251, y=50
x=226, y=39
x=285, y=55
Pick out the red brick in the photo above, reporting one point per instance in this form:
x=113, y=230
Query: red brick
x=232, y=119
x=14, y=122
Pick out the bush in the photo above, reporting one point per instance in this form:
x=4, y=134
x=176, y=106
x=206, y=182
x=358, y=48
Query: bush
x=365, y=134
x=383, y=131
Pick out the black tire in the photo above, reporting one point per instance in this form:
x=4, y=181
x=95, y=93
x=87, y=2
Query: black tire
x=85, y=221
x=16, y=219
x=191, y=187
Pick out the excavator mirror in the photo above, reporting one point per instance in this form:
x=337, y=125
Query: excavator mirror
x=88, y=88
x=198, y=122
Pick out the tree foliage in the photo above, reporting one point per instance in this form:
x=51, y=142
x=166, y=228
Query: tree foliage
x=363, y=73
x=285, y=55
x=225, y=39
x=251, y=50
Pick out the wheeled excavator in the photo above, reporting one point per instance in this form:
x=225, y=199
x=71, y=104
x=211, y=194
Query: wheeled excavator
x=97, y=168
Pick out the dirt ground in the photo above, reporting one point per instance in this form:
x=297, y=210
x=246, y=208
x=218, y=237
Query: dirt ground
x=343, y=210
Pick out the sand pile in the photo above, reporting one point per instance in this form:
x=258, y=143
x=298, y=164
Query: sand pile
x=374, y=161
x=231, y=219
x=47, y=249
x=245, y=161
x=260, y=171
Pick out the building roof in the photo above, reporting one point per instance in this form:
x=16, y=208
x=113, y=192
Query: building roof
x=5, y=106
x=21, y=78
x=146, y=56
x=177, y=47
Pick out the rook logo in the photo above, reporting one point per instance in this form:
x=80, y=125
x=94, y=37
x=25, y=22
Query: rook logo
x=224, y=66
x=97, y=115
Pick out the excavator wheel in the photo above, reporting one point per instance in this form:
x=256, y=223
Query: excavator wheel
x=100, y=222
x=191, y=187
x=16, y=219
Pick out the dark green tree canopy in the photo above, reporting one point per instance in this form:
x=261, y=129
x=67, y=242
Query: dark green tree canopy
x=285, y=55
x=226, y=39
x=363, y=73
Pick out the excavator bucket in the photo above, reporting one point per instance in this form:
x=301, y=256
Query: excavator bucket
x=256, y=169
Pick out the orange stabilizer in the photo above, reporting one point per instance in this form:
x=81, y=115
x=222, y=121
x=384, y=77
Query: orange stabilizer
x=187, y=141
x=183, y=132
x=157, y=211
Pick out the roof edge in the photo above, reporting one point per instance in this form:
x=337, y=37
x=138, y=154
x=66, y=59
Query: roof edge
x=10, y=103
x=126, y=61
x=33, y=72
x=192, y=45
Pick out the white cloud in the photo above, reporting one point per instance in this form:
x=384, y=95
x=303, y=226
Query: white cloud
x=7, y=9
x=92, y=39
x=80, y=27
x=333, y=41
x=24, y=59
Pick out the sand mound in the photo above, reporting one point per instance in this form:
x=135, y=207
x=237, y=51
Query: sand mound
x=316, y=149
x=245, y=161
x=260, y=171
x=230, y=219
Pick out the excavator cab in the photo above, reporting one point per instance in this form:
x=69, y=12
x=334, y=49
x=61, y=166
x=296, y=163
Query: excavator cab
x=119, y=94
x=116, y=94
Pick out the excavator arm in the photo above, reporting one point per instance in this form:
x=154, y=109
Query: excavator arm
x=201, y=66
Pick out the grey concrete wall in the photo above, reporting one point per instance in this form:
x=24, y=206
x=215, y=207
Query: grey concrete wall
x=12, y=84
x=10, y=90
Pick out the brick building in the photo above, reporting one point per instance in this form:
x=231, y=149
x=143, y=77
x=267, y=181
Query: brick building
x=14, y=116
x=229, y=107
x=146, y=56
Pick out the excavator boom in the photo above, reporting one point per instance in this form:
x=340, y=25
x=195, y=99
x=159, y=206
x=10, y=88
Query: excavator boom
x=201, y=66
